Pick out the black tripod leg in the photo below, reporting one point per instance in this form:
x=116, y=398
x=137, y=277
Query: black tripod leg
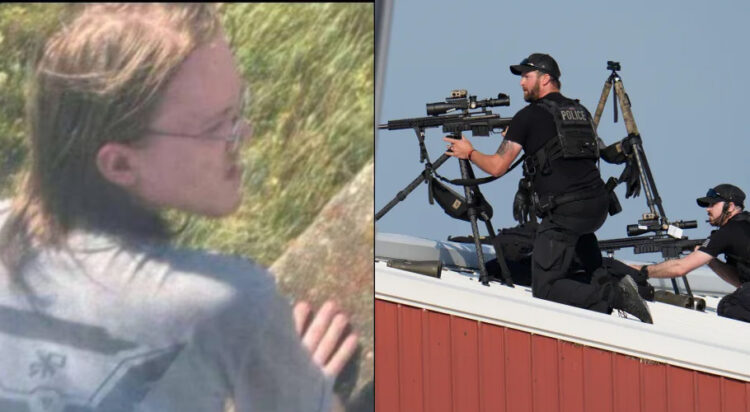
x=504, y=271
x=466, y=173
x=687, y=286
x=675, y=287
x=654, y=193
x=410, y=187
x=484, y=277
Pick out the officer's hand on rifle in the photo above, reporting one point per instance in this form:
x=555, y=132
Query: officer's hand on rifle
x=459, y=148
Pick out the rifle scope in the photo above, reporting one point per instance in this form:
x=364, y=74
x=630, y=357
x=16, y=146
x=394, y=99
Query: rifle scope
x=639, y=229
x=459, y=100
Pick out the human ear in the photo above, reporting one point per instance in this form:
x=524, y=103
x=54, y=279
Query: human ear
x=545, y=78
x=115, y=161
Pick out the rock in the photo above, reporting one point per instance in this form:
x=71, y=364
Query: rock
x=333, y=259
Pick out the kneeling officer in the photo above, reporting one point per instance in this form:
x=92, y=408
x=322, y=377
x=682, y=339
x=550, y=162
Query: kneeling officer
x=724, y=204
x=562, y=151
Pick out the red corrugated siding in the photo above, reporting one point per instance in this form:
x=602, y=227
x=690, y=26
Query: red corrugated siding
x=433, y=362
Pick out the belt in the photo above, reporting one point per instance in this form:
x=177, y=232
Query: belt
x=545, y=204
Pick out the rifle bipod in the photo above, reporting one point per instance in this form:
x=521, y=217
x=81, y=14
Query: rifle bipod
x=634, y=147
x=472, y=194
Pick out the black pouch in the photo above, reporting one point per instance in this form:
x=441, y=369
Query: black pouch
x=614, y=202
x=455, y=205
x=553, y=251
x=517, y=242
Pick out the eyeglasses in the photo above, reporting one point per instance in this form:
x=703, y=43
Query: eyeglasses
x=240, y=127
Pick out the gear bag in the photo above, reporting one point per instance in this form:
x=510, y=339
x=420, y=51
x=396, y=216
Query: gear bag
x=455, y=205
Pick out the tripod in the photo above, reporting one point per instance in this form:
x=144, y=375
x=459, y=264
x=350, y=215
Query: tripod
x=634, y=147
x=472, y=195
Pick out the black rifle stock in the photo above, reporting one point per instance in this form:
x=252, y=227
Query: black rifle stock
x=669, y=247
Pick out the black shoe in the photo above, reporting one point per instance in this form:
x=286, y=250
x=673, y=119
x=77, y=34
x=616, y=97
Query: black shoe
x=628, y=300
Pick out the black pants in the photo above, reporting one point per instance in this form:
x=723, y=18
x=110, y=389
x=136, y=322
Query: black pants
x=564, y=234
x=736, y=305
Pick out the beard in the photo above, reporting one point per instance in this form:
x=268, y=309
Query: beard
x=714, y=222
x=717, y=221
x=532, y=94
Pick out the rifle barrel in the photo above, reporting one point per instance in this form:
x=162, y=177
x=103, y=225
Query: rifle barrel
x=477, y=122
x=430, y=121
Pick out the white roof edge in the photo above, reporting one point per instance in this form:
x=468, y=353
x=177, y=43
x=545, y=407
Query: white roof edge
x=390, y=245
x=681, y=337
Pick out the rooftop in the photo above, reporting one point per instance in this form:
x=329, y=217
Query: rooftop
x=682, y=337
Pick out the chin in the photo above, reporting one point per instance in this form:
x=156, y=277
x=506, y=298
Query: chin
x=218, y=208
x=224, y=209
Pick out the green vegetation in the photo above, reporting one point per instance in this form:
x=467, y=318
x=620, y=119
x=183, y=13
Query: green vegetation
x=22, y=30
x=310, y=71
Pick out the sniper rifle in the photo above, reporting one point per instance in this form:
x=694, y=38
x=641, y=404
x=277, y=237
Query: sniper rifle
x=479, y=123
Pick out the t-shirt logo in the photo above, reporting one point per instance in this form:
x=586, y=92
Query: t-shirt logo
x=47, y=364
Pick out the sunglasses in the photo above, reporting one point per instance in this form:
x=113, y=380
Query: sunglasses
x=526, y=62
x=713, y=194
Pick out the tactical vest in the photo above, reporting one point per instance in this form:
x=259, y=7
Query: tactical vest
x=742, y=263
x=576, y=138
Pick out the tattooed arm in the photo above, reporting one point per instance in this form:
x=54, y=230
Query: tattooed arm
x=495, y=164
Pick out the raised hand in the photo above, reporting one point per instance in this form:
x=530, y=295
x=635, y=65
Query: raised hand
x=326, y=336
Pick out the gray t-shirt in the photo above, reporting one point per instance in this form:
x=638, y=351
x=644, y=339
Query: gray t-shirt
x=103, y=327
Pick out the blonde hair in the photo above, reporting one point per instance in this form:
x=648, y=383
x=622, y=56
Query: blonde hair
x=98, y=80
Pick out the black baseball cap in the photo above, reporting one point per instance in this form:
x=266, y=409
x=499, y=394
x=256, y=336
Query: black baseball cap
x=537, y=61
x=723, y=193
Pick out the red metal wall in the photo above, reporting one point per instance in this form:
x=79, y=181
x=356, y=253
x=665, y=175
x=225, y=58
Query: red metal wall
x=433, y=362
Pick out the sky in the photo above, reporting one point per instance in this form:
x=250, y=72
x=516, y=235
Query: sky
x=683, y=69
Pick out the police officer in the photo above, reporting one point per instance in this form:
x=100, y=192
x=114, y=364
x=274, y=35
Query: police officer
x=558, y=138
x=724, y=204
